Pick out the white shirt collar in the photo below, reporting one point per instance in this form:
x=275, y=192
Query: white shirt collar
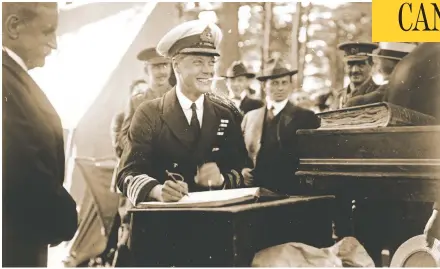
x=16, y=58
x=277, y=106
x=185, y=103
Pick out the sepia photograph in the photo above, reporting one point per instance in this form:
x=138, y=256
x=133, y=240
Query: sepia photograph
x=221, y=134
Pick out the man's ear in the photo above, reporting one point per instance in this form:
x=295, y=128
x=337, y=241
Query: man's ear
x=176, y=66
x=12, y=27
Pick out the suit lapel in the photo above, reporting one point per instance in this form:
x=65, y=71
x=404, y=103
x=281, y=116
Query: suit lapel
x=210, y=124
x=287, y=115
x=253, y=132
x=173, y=116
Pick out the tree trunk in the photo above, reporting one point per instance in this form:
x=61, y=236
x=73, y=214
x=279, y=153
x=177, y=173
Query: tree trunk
x=296, y=20
x=228, y=22
x=267, y=27
x=303, y=48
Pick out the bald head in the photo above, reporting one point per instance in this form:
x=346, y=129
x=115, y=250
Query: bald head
x=28, y=29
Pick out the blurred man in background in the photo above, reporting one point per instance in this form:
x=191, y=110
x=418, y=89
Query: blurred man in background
x=37, y=210
x=137, y=88
x=389, y=55
x=238, y=80
x=358, y=67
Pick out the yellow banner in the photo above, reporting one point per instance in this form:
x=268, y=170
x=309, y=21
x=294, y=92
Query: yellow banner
x=406, y=20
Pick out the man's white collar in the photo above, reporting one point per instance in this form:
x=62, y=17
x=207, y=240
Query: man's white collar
x=186, y=103
x=277, y=106
x=15, y=57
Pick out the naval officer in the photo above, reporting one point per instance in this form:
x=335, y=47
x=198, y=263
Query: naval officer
x=187, y=140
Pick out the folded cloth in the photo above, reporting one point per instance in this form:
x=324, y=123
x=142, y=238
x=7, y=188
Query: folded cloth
x=348, y=252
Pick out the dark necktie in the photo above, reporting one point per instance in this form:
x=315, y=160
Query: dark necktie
x=195, y=124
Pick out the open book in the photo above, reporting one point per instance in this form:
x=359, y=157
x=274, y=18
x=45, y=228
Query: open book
x=217, y=198
x=373, y=115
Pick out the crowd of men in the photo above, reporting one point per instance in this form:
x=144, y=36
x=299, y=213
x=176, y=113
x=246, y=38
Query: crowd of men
x=177, y=127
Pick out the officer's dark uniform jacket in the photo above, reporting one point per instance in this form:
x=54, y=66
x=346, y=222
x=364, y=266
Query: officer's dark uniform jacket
x=344, y=95
x=159, y=140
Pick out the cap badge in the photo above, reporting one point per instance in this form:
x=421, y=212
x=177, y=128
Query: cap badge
x=354, y=51
x=206, y=35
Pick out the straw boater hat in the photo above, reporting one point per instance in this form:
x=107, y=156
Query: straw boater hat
x=394, y=50
x=276, y=68
x=415, y=253
x=237, y=69
x=150, y=56
x=357, y=51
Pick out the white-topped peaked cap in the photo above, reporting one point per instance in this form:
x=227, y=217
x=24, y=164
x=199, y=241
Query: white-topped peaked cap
x=397, y=46
x=191, y=37
x=394, y=50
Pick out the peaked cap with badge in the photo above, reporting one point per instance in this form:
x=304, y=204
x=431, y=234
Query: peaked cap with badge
x=150, y=56
x=357, y=51
x=394, y=50
x=237, y=69
x=192, y=37
x=276, y=68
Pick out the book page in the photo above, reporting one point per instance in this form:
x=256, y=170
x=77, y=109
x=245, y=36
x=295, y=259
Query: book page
x=207, y=197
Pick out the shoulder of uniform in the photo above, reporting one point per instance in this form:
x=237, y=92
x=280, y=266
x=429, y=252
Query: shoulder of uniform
x=150, y=105
x=224, y=103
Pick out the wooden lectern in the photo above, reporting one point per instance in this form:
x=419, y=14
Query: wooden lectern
x=387, y=163
x=227, y=236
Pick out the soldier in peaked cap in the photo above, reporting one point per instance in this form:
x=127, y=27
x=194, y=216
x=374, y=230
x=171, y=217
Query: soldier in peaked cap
x=238, y=85
x=270, y=132
x=158, y=71
x=187, y=134
x=358, y=66
x=389, y=55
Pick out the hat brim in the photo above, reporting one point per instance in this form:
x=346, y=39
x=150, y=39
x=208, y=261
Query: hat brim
x=358, y=58
x=247, y=75
x=199, y=51
x=416, y=244
x=290, y=73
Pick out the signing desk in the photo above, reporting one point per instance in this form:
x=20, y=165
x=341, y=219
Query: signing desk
x=227, y=236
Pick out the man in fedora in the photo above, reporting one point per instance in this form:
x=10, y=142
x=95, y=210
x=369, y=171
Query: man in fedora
x=359, y=68
x=270, y=132
x=187, y=140
x=238, y=79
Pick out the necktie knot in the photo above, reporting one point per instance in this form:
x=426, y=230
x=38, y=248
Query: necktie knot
x=193, y=107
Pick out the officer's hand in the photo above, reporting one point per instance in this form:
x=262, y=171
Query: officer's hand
x=248, y=177
x=428, y=228
x=173, y=191
x=208, y=175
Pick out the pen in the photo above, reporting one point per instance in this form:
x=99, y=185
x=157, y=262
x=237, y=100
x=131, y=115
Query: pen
x=171, y=175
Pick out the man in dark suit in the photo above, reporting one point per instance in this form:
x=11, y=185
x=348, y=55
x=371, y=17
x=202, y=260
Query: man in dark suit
x=270, y=133
x=186, y=140
x=37, y=210
x=238, y=85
